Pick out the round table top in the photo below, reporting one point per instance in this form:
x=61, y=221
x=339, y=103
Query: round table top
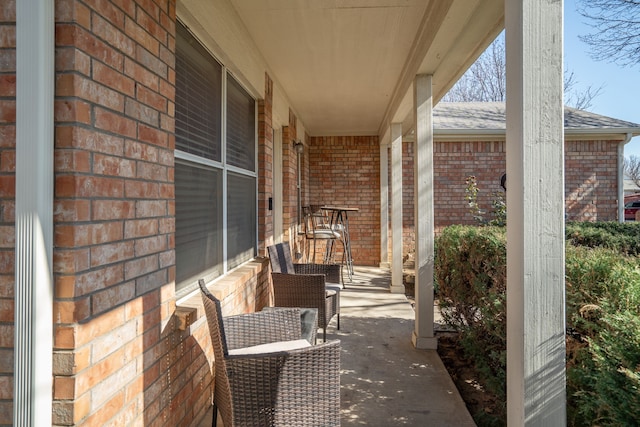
x=340, y=208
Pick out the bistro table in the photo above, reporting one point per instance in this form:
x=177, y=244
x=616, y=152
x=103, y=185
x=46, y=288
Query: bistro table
x=339, y=223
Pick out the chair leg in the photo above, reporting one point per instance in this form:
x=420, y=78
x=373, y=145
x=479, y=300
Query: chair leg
x=338, y=314
x=324, y=334
x=215, y=416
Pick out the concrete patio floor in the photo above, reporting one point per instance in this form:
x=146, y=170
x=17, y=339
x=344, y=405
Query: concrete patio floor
x=385, y=381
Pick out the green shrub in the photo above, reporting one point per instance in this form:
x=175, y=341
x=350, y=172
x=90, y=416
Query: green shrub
x=606, y=382
x=603, y=374
x=602, y=299
x=603, y=319
x=623, y=238
x=591, y=276
x=470, y=270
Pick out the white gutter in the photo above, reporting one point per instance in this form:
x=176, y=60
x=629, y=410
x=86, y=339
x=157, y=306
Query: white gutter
x=568, y=131
x=621, y=176
x=33, y=339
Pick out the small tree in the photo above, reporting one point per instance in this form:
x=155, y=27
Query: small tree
x=498, y=203
x=471, y=196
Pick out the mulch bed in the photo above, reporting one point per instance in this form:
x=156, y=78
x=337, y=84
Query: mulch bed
x=483, y=406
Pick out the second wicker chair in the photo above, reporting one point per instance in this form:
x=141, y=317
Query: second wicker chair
x=305, y=285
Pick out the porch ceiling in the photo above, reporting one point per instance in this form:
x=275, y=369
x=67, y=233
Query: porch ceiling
x=347, y=65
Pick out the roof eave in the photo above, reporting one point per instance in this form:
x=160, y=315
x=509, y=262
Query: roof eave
x=618, y=134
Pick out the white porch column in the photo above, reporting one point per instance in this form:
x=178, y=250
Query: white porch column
x=33, y=351
x=535, y=207
x=384, y=206
x=396, y=208
x=423, y=336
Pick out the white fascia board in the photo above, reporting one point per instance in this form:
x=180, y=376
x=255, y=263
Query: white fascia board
x=618, y=134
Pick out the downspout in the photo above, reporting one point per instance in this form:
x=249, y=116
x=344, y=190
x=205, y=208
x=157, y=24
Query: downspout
x=621, y=176
x=33, y=318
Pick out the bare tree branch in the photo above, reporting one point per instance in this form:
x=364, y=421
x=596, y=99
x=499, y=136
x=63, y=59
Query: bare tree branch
x=486, y=81
x=631, y=169
x=616, y=30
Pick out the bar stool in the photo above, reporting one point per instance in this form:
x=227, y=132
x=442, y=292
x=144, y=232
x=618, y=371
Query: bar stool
x=339, y=223
x=318, y=228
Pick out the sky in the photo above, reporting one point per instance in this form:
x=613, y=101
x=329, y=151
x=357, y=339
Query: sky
x=620, y=94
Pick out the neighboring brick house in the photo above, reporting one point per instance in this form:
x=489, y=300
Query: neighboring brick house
x=469, y=140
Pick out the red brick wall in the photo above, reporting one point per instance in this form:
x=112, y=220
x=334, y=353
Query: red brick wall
x=7, y=204
x=120, y=355
x=345, y=171
x=453, y=163
x=290, y=174
x=115, y=356
x=265, y=174
x=590, y=181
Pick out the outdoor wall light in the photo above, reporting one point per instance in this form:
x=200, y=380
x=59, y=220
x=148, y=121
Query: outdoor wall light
x=299, y=146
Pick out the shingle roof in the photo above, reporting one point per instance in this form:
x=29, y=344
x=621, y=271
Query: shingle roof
x=489, y=117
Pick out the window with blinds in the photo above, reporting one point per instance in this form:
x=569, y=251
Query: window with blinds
x=241, y=222
x=198, y=98
x=215, y=167
x=241, y=119
x=198, y=222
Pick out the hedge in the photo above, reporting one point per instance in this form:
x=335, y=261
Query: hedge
x=603, y=319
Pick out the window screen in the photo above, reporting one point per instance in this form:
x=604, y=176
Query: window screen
x=198, y=98
x=198, y=221
x=209, y=157
x=241, y=119
x=241, y=219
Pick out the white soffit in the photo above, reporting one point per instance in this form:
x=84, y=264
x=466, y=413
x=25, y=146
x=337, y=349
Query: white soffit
x=343, y=63
x=338, y=60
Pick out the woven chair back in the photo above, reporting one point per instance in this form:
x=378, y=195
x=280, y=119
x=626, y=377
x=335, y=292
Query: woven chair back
x=280, y=258
x=222, y=389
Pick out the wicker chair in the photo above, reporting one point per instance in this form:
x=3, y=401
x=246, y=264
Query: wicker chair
x=254, y=386
x=305, y=285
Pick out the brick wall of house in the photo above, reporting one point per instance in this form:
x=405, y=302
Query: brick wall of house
x=453, y=163
x=590, y=181
x=290, y=183
x=265, y=174
x=115, y=359
x=345, y=171
x=7, y=204
x=122, y=354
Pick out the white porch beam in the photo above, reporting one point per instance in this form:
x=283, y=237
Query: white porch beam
x=423, y=334
x=397, y=287
x=535, y=225
x=384, y=206
x=33, y=351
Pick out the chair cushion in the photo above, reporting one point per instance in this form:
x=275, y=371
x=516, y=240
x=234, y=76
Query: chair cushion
x=329, y=293
x=322, y=234
x=332, y=287
x=272, y=347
